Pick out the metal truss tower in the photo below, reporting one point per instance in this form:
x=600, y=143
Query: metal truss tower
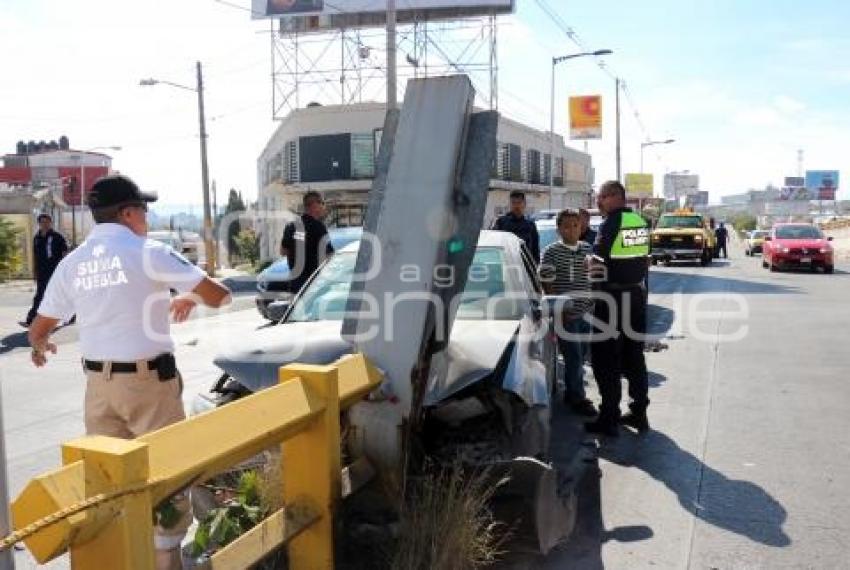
x=346, y=66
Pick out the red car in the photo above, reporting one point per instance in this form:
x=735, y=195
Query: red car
x=797, y=245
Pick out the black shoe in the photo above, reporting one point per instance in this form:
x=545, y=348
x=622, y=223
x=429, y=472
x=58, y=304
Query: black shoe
x=583, y=407
x=601, y=427
x=24, y=324
x=636, y=421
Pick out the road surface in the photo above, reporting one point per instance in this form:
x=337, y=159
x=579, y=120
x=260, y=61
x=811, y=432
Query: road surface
x=747, y=465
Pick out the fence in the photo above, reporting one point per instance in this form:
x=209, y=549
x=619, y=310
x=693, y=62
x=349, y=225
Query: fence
x=98, y=505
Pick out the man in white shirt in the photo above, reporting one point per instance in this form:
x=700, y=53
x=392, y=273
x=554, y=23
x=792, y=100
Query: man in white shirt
x=119, y=284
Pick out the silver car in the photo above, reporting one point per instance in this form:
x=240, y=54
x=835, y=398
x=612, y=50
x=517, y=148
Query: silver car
x=493, y=383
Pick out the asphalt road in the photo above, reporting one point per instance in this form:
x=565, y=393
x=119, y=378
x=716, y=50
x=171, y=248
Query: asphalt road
x=746, y=467
x=748, y=462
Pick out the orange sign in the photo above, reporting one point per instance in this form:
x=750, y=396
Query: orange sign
x=586, y=117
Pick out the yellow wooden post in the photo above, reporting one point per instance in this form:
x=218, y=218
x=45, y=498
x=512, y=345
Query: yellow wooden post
x=126, y=543
x=312, y=466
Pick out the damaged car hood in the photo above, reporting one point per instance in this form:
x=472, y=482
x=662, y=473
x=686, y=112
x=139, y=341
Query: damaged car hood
x=474, y=352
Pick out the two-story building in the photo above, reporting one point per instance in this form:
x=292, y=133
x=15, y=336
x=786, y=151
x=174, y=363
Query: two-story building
x=332, y=149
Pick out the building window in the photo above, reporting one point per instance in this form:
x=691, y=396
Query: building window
x=290, y=157
x=513, y=163
x=532, y=166
x=362, y=156
x=347, y=215
x=559, y=172
x=547, y=169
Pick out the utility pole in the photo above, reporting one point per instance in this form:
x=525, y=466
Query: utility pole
x=619, y=158
x=209, y=249
x=392, y=101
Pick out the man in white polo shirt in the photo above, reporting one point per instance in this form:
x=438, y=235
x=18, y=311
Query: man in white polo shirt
x=119, y=284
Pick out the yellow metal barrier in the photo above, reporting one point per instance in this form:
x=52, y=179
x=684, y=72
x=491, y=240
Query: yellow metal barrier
x=98, y=506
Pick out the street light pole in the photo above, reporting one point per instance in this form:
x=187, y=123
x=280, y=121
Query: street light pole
x=619, y=158
x=208, y=233
x=556, y=61
x=643, y=145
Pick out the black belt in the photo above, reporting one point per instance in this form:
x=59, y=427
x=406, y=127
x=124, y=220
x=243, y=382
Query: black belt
x=121, y=367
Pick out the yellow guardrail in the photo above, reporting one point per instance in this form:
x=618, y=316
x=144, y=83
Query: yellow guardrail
x=99, y=505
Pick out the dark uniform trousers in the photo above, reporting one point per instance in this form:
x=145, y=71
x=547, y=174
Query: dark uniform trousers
x=613, y=358
x=40, y=288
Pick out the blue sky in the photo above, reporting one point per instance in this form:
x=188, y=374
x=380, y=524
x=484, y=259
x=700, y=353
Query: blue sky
x=740, y=84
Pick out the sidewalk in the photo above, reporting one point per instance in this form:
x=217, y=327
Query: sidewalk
x=17, y=286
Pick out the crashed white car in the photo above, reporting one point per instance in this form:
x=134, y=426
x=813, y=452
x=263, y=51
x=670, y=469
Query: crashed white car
x=488, y=395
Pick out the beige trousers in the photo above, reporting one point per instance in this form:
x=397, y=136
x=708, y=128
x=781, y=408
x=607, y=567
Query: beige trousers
x=127, y=405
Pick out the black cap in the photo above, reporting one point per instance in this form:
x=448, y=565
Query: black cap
x=117, y=190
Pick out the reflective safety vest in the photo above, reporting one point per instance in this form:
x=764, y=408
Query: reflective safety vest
x=633, y=238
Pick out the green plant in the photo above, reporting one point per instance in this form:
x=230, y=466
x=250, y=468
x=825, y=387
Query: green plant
x=10, y=250
x=446, y=523
x=744, y=222
x=236, y=516
x=248, y=246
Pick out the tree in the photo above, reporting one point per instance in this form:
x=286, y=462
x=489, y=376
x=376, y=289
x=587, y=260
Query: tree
x=248, y=246
x=235, y=205
x=10, y=249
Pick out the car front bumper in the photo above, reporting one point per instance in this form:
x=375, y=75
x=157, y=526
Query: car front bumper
x=673, y=253
x=814, y=260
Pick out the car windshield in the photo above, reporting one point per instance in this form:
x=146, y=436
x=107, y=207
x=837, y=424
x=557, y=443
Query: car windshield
x=326, y=296
x=758, y=234
x=680, y=222
x=548, y=235
x=798, y=232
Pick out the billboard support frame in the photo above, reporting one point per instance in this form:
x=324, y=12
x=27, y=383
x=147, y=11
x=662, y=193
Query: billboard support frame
x=301, y=61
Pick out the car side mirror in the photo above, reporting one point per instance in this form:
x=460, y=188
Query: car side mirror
x=768, y=238
x=278, y=309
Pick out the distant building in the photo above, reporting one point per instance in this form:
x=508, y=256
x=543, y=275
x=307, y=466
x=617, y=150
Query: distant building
x=58, y=177
x=332, y=149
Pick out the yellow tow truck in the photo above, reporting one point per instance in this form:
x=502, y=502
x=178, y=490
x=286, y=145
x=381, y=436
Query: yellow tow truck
x=683, y=235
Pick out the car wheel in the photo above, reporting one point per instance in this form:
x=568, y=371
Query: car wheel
x=706, y=258
x=828, y=268
x=654, y=261
x=773, y=266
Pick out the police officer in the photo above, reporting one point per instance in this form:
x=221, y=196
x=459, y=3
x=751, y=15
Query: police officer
x=305, y=243
x=118, y=284
x=518, y=224
x=49, y=247
x=620, y=269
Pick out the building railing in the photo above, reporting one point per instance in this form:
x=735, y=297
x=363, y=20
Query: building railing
x=98, y=506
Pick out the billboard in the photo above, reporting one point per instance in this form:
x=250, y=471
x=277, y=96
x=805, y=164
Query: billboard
x=822, y=184
x=677, y=185
x=330, y=14
x=639, y=185
x=586, y=117
x=795, y=181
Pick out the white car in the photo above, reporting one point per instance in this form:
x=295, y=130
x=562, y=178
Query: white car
x=182, y=244
x=496, y=376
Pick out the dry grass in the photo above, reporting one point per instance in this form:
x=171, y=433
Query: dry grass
x=446, y=523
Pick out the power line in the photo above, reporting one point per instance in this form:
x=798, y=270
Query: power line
x=570, y=32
